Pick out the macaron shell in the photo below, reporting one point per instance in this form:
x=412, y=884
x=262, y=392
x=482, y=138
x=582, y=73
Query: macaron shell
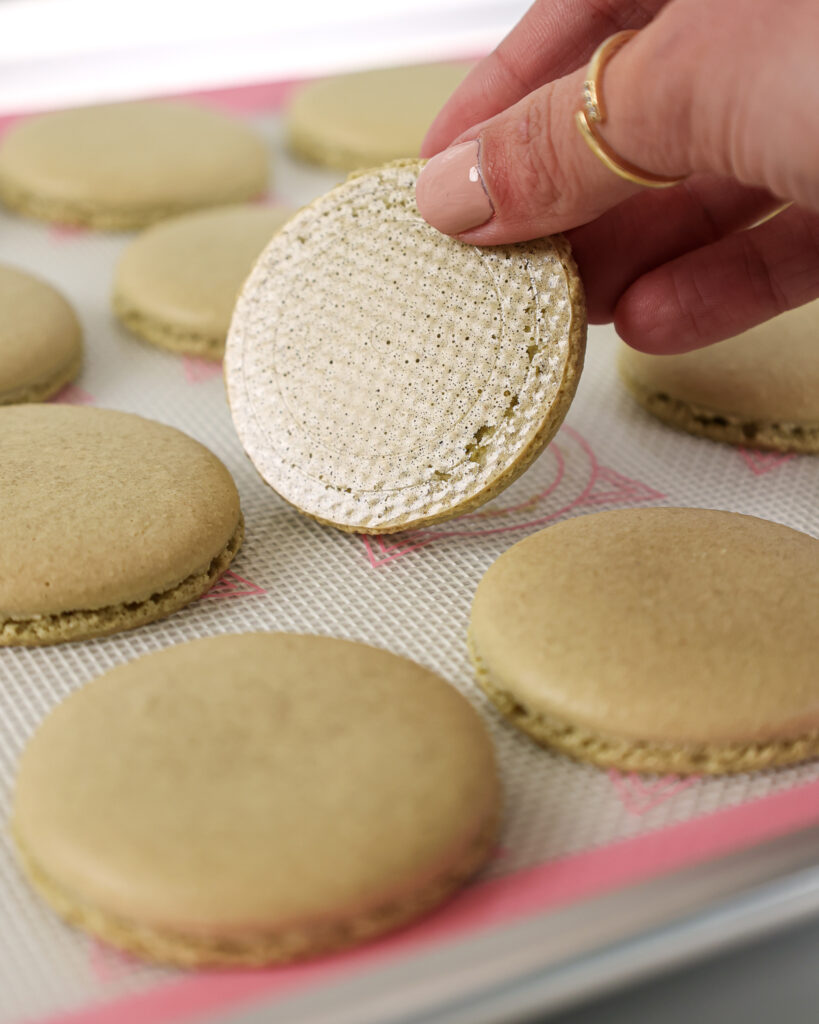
x=40, y=338
x=123, y=165
x=670, y=626
x=176, y=284
x=760, y=388
x=382, y=376
x=369, y=117
x=102, y=507
x=244, y=791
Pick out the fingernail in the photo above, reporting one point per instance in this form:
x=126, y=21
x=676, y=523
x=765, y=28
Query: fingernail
x=450, y=192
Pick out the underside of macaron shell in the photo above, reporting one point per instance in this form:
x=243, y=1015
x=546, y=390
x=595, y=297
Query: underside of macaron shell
x=382, y=376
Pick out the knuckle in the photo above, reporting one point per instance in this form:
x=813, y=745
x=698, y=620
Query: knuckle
x=761, y=275
x=509, y=66
x=613, y=15
x=536, y=153
x=524, y=164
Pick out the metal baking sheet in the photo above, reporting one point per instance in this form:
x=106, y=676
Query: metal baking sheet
x=600, y=876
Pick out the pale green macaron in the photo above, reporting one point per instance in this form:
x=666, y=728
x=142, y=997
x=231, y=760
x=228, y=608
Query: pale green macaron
x=253, y=799
x=383, y=376
x=677, y=640
x=759, y=389
x=110, y=521
x=41, y=344
x=369, y=117
x=124, y=165
x=176, y=284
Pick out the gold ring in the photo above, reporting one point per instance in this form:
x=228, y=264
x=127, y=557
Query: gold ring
x=593, y=113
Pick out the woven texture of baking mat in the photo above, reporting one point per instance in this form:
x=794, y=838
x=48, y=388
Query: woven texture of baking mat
x=408, y=593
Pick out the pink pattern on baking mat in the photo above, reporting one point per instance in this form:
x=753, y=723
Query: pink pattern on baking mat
x=639, y=795
x=108, y=964
x=67, y=232
x=7, y=120
x=760, y=462
x=71, y=394
x=258, y=98
x=576, y=480
x=486, y=904
x=196, y=370
x=234, y=585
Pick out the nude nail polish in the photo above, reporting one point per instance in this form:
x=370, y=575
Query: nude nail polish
x=450, y=192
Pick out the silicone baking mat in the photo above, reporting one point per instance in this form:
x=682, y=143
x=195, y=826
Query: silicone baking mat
x=570, y=830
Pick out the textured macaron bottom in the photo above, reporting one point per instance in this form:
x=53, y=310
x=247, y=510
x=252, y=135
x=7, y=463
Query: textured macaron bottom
x=647, y=756
x=463, y=503
x=166, y=335
x=437, y=371
x=84, y=624
x=281, y=943
x=425, y=517
x=718, y=425
x=44, y=389
x=461, y=506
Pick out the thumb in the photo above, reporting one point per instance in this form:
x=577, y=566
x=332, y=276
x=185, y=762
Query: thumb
x=528, y=171
x=524, y=173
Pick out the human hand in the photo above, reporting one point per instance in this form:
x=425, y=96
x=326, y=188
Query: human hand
x=723, y=92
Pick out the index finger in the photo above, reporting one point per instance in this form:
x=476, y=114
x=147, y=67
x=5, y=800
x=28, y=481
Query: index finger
x=553, y=38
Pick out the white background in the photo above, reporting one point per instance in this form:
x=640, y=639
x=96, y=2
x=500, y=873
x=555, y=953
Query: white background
x=62, y=52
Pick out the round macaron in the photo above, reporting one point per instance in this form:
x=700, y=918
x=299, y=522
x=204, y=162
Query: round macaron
x=674, y=640
x=254, y=799
x=369, y=117
x=40, y=338
x=176, y=284
x=121, y=166
x=760, y=389
x=383, y=376
x=110, y=521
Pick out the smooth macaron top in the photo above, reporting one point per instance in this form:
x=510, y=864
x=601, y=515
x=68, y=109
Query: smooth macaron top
x=40, y=336
x=241, y=786
x=129, y=163
x=100, y=508
x=185, y=273
x=769, y=373
x=369, y=117
x=673, y=625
